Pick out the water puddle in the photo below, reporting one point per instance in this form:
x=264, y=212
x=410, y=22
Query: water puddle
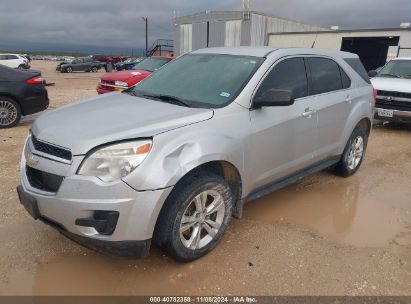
x=343, y=209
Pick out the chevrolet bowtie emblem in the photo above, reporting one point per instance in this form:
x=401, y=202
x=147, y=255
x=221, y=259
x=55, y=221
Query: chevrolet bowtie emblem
x=389, y=98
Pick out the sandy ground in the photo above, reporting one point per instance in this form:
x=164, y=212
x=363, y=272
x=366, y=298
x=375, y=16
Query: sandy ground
x=323, y=236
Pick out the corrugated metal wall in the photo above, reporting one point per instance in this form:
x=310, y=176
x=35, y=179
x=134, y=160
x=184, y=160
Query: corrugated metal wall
x=199, y=35
x=332, y=40
x=232, y=29
x=233, y=33
x=217, y=33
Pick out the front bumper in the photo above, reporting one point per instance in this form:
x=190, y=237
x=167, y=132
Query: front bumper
x=79, y=197
x=398, y=116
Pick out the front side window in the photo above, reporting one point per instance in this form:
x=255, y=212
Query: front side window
x=396, y=69
x=200, y=80
x=325, y=75
x=151, y=64
x=288, y=75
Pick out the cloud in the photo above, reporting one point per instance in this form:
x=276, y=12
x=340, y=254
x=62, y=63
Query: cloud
x=117, y=24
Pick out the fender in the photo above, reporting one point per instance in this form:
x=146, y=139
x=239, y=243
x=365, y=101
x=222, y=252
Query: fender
x=177, y=152
x=360, y=110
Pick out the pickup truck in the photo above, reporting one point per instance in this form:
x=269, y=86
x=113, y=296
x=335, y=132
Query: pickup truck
x=393, y=85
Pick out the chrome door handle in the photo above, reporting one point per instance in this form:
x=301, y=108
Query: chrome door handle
x=348, y=99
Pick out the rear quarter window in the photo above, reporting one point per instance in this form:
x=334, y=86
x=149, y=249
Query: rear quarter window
x=357, y=66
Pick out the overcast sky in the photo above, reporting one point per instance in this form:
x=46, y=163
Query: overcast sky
x=113, y=25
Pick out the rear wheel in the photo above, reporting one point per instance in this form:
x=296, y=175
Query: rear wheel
x=353, y=153
x=94, y=69
x=195, y=216
x=10, y=112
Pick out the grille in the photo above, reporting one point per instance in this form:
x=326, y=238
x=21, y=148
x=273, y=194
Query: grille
x=43, y=180
x=393, y=105
x=49, y=149
x=394, y=94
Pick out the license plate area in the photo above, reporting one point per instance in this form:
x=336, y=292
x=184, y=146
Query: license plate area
x=29, y=203
x=385, y=113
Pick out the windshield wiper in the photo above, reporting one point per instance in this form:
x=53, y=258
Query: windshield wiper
x=169, y=99
x=389, y=75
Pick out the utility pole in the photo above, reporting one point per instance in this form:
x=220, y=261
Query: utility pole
x=146, y=21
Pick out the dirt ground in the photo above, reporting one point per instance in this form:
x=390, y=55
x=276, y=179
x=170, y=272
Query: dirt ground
x=322, y=236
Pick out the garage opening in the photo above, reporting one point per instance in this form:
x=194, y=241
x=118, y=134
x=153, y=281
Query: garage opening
x=372, y=51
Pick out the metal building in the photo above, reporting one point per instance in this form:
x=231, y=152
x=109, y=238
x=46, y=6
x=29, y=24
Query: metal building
x=230, y=28
x=373, y=46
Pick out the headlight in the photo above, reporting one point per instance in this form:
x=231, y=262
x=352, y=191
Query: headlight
x=117, y=161
x=121, y=84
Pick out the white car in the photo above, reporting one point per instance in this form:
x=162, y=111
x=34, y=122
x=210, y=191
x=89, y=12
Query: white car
x=393, y=85
x=14, y=61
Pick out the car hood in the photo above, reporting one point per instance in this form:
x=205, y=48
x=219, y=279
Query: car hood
x=129, y=76
x=392, y=84
x=111, y=117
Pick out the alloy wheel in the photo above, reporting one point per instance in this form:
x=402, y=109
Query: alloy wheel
x=356, y=153
x=8, y=113
x=202, y=219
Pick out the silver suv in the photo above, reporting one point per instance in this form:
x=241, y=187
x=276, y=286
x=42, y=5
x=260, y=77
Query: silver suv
x=173, y=159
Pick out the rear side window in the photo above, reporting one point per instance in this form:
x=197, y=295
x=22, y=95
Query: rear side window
x=357, y=66
x=290, y=75
x=11, y=57
x=325, y=76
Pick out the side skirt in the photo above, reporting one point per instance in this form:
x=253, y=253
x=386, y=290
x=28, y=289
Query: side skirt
x=283, y=182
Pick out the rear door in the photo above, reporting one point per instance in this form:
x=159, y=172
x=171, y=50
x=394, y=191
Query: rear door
x=282, y=137
x=330, y=90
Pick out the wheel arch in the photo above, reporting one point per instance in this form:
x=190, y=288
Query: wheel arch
x=222, y=168
x=11, y=96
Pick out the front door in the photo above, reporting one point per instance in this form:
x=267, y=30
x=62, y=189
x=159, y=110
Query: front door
x=282, y=137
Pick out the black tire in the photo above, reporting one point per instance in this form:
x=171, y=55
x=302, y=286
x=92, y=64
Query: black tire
x=9, y=107
x=167, y=233
x=94, y=69
x=344, y=168
x=21, y=67
x=69, y=69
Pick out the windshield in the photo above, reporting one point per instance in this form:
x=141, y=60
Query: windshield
x=151, y=64
x=396, y=69
x=201, y=80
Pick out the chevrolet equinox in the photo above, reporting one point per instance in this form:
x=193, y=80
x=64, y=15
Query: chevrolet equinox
x=173, y=159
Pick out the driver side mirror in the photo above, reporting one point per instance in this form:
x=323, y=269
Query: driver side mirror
x=372, y=73
x=273, y=98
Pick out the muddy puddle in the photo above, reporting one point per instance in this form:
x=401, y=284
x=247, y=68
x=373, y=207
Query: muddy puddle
x=373, y=212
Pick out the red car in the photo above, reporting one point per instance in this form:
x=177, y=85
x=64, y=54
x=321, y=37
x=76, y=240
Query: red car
x=118, y=81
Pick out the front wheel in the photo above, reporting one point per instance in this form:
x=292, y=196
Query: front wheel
x=194, y=217
x=69, y=69
x=94, y=69
x=353, y=154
